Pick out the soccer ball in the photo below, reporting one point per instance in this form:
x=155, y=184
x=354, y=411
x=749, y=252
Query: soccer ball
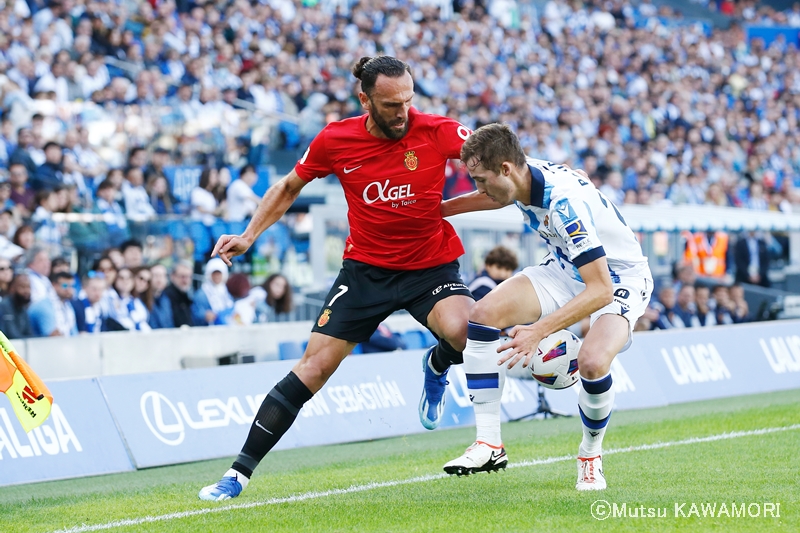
x=555, y=364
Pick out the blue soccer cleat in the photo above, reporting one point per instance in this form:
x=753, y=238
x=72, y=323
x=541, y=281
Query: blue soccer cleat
x=431, y=405
x=225, y=489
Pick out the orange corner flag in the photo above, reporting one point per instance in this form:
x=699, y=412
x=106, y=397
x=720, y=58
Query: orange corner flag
x=30, y=397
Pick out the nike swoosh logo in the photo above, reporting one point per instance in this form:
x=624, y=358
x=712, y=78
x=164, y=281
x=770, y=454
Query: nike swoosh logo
x=262, y=427
x=349, y=170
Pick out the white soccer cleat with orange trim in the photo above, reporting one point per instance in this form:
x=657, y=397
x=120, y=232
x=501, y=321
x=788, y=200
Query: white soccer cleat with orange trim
x=590, y=473
x=480, y=457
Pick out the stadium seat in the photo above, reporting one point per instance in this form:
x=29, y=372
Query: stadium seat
x=290, y=350
x=414, y=339
x=202, y=241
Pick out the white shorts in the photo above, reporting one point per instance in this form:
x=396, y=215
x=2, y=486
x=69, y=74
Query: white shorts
x=555, y=288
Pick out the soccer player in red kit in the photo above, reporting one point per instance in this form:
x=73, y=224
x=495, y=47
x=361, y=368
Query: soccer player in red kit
x=401, y=253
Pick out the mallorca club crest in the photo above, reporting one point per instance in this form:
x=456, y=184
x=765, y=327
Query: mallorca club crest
x=547, y=221
x=324, y=318
x=411, y=161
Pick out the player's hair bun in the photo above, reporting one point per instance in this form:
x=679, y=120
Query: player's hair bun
x=358, y=68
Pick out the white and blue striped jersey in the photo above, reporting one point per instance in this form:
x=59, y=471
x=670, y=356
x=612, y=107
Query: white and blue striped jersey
x=579, y=224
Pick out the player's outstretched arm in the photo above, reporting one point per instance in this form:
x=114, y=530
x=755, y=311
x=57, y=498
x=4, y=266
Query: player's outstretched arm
x=597, y=294
x=272, y=207
x=466, y=203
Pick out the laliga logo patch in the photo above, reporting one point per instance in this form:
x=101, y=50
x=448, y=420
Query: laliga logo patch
x=577, y=232
x=411, y=161
x=326, y=316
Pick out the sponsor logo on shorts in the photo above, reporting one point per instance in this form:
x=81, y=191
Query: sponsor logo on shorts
x=451, y=286
x=324, y=318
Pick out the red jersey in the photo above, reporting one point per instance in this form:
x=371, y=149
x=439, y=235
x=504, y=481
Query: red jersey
x=393, y=188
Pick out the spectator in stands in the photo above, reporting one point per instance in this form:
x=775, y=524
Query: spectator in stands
x=90, y=312
x=47, y=231
x=383, y=340
x=158, y=162
x=665, y=307
x=685, y=310
x=204, y=204
x=212, y=302
x=158, y=193
x=24, y=237
x=498, y=265
x=706, y=313
x=684, y=274
x=161, y=312
x=6, y=275
x=112, y=212
x=244, y=301
x=55, y=317
x=8, y=250
x=135, y=196
x=740, y=309
x=752, y=259
x=242, y=201
x=127, y=310
x=14, y=321
x=22, y=153
x=21, y=192
x=37, y=261
x=132, y=253
x=142, y=289
x=275, y=299
x=179, y=299
x=49, y=174
x=722, y=304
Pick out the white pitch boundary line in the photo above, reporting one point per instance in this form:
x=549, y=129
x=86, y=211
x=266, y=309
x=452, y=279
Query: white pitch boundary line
x=420, y=479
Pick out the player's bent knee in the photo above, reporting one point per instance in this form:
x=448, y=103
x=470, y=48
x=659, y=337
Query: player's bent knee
x=593, y=364
x=485, y=314
x=455, y=333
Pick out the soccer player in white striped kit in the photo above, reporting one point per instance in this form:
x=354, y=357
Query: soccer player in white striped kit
x=595, y=269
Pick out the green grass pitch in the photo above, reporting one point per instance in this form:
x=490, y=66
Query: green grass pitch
x=396, y=484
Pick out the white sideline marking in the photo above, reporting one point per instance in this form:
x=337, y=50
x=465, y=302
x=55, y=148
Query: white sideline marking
x=420, y=479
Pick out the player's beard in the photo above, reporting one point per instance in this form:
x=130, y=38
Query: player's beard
x=386, y=127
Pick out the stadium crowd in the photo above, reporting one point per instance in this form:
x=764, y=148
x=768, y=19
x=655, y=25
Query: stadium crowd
x=99, y=98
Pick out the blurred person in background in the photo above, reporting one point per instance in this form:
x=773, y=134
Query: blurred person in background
x=14, y=321
x=142, y=289
x=8, y=250
x=158, y=193
x=49, y=175
x=6, y=275
x=212, y=302
x=706, y=313
x=90, y=311
x=740, y=310
x=205, y=207
x=275, y=299
x=161, y=312
x=244, y=301
x=128, y=310
x=132, y=253
x=180, y=300
x=21, y=192
x=135, y=196
x=24, y=237
x=685, y=310
x=498, y=265
x=751, y=258
x=55, y=317
x=37, y=261
x=242, y=201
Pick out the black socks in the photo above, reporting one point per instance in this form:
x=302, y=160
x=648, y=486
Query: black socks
x=274, y=418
